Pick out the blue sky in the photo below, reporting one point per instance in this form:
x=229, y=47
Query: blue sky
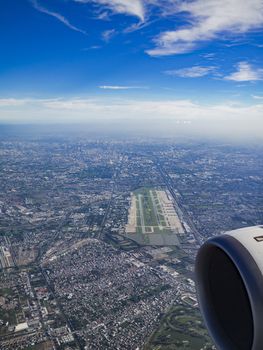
x=93, y=58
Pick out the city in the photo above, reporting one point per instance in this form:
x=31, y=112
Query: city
x=76, y=274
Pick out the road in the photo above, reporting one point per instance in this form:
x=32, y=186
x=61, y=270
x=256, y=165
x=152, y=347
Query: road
x=113, y=190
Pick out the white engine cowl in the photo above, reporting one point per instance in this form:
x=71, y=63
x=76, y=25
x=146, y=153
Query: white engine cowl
x=229, y=283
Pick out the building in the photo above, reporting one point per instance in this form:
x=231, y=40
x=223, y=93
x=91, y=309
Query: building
x=6, y=259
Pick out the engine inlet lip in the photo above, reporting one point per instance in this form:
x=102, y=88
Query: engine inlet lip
x=252, y=278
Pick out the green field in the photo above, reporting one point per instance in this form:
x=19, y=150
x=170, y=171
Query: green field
x=149, y=212
x=181, y=328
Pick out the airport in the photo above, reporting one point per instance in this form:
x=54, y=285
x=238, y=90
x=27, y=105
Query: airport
x=153, y=219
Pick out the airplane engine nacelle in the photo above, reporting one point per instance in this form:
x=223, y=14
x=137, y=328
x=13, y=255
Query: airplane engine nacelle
x=229, y=283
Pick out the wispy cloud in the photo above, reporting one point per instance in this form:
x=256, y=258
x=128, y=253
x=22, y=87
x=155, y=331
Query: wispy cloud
x=94, y=47
x=209, y=56
x=108, y=34
x=129, y=7
x=191, y=72
x=205, y=20
x=56, y=15
x=120, y=87
x=208, y=20
x=245, y=72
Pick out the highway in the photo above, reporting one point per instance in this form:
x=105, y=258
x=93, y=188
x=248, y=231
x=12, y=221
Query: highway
x=114, y=185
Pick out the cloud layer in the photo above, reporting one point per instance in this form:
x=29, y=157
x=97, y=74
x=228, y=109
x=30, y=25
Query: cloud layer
x=151, y=117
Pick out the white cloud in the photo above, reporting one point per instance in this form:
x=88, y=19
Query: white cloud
x=56, y=15
x=245, y=72
x=119, y=87
x=191, y=72
x=208, y=20
x=129, y=7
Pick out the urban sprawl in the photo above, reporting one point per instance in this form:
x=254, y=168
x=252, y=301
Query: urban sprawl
x=98, y=238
